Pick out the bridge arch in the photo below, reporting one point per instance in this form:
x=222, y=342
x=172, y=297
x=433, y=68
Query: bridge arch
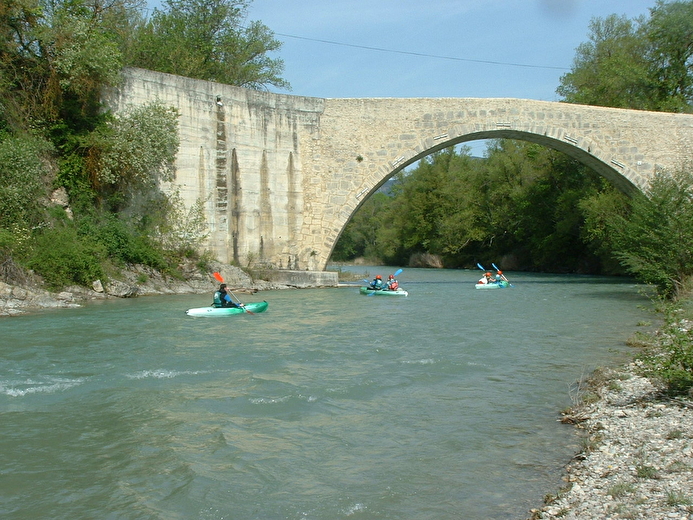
x=281, y=175
x=580, y=148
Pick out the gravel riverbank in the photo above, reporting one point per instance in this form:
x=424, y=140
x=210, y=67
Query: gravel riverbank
x=637, y=456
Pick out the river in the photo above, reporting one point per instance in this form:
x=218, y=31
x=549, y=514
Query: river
x=331, y=405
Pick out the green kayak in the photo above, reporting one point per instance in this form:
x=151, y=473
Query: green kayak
x=228, y=311
x=383, y=292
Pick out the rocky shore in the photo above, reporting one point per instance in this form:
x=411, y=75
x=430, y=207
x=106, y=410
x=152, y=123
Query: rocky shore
x=637, y=455
x=132, y=282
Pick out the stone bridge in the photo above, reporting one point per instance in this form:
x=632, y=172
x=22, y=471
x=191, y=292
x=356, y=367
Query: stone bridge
x=281, y=175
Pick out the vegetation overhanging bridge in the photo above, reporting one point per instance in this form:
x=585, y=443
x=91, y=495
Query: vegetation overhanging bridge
x=281, y=175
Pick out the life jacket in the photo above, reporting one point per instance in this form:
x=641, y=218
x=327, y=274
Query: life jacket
x=394, y=285
x=218, y=299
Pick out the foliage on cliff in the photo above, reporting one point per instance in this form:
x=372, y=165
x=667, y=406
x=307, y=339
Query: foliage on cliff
x=208, y=39
x=56, y=138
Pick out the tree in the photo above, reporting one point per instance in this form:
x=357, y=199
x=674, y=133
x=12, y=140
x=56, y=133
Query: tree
x=645, y=63
x=611, y=68
x=135, y=150
x=206, y=39
x=56, y=55
x=670, y=34
x=654, y=241
x=362, y=234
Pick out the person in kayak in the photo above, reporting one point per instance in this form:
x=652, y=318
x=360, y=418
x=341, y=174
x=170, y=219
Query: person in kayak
x=392, y=283
x=223, y=299
x=377, y=283
x=486, y=279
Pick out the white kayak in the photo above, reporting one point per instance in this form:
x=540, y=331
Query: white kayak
x=250, y=308
x=493, y=285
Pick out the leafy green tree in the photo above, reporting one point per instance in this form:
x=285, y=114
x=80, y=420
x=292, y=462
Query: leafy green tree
x=135, y=149
x=360, y=236
x=654, y=241
x=645, y=63
x=207, y=39
x=598, y=209
x=611, y=68
x=56, y=55
x=670, y=58
x=522, y=201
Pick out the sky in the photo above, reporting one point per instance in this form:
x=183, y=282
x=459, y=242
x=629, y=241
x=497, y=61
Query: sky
x=434, y=48
x=431, y=48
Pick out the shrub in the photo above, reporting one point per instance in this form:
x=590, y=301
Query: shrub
x=669, y=358
x=22, y=188
x=62, y=258
x=136, y=148
x=655, y=241
x=621, y=489
x=121, y=241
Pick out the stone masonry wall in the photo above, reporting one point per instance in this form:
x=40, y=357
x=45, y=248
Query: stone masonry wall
x=281, y=175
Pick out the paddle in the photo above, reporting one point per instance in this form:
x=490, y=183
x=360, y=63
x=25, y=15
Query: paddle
x=221, y=280
x=502, y=275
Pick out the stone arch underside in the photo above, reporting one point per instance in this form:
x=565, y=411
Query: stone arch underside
x=581, y=149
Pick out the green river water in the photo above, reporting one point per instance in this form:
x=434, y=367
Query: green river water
x=331, y=405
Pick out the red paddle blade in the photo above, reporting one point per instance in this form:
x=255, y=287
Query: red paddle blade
x=218, y=277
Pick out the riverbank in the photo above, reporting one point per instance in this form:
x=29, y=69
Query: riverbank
x=637, y=454
x=132, y=282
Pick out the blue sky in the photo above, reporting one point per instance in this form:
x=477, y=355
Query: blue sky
x=434, y=48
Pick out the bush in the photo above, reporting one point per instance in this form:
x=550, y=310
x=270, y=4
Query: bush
x=136, y=148
x=655, y=242
x=670, y=358
x=62, y=258
x=21, y=180
x=121, y=241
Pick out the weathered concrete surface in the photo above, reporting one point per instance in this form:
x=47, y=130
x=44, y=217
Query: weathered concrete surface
x=281, y=175
x=303, y=279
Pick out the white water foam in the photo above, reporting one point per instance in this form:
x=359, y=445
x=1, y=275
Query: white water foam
x=30, y=386
x=164, y=374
